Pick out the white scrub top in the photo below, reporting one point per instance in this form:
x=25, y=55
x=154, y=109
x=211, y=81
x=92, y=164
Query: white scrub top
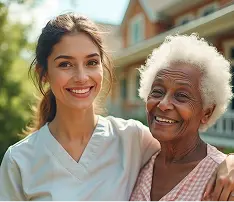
x=39, y=168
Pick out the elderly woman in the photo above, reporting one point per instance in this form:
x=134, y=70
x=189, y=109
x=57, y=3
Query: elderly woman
x=186, y=86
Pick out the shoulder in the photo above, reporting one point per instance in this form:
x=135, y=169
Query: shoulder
x=123, y=122
x=215, y=155
x=123, y=125
x=26, y=146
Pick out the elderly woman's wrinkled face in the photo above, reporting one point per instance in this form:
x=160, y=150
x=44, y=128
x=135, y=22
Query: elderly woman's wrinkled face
x=174, y=105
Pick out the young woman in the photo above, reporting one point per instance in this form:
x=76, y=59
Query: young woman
x=72, y=153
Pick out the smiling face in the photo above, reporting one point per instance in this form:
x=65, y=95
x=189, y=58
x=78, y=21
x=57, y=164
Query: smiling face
x=174, y=105
x=75, y=71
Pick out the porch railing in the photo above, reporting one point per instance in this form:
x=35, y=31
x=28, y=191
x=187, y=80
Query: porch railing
x=224, y=126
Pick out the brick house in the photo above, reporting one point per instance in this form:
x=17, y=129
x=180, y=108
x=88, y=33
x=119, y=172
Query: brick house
x=145, y=25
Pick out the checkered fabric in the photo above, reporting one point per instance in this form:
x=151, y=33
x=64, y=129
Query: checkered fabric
x=191, y=188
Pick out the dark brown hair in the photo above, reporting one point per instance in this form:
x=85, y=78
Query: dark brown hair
x=52, y=33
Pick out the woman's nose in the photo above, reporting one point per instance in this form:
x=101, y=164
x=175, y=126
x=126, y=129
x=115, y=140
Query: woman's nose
x=80, y=75
x=165, y=104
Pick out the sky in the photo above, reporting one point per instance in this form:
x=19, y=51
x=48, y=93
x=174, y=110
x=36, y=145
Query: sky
x=108, y=11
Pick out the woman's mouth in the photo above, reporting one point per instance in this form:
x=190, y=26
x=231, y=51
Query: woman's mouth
x=164, y=121
x=80, y=92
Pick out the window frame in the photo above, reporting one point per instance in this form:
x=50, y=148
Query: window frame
x=139, y=20
x=202, y=10
x=190, y=16
x=227, y=46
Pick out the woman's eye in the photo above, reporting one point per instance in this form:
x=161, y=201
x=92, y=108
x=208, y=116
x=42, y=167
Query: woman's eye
x=182, y=96
x=157, y=93
x=92, y=63
x=65, y=64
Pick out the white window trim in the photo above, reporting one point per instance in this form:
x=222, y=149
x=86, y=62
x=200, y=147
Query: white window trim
x=227, y=45
x=121, y=78
x=136, y=19
x=202, y=10
x=131, y=86
x=189, y=16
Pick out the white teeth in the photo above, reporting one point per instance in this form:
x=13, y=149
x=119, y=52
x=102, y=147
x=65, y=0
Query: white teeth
x=80, y=91
x=164, y=120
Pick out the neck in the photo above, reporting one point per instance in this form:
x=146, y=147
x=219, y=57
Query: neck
x=183, y=150
x=70, y=124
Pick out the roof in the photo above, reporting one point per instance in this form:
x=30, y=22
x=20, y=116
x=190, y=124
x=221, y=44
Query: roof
x=154, y=8
x=209, y=25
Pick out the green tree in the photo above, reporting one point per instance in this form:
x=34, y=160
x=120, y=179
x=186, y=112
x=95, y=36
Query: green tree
x=13, y=100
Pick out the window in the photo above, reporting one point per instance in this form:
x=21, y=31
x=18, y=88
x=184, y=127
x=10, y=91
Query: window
x=208, y=9
x=136, y=29
x=137, y=85
x=232, y=71
x=232, y=53
x=123, y=86
x=136, y=32
x=130, y=85
x=182, y=20
x=229, y=54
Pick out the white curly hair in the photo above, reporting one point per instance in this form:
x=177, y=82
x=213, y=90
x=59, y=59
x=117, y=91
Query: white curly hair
x=215, y=85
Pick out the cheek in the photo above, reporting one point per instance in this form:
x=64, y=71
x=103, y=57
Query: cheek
x=98, y=75
x=189, y=111
x=56, y=77
x=150, y=104
x=60, y=79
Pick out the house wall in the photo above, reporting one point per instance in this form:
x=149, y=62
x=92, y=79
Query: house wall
x=134, y=10
x=131, y=107
x=194, y=10
x=151, y=29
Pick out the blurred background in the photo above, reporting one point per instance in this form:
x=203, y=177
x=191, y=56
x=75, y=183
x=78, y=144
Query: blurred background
x=135, y=28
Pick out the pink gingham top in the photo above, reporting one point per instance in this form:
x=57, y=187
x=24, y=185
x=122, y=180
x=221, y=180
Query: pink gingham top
x=191, y=188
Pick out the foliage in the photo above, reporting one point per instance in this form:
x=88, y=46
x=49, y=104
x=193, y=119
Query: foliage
x=31, y=3
x=13, y=94
x=228, y=150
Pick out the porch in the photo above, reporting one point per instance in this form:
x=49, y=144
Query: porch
x=222, y=133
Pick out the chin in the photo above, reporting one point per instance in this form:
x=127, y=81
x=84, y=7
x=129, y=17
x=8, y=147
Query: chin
x=163, y=134
x=163, y=137
x=81, y=105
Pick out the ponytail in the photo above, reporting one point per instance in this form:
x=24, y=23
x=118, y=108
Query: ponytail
x=46, y=109
x=44, y=112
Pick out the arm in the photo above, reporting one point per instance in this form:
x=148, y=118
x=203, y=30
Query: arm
x=10, y=180
x=221, y=185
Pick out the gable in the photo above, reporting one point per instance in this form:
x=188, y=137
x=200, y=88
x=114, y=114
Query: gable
x=134, y=7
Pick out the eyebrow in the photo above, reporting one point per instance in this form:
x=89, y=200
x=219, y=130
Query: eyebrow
x=184, y=84
x=92, y=55
x=71, y=57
